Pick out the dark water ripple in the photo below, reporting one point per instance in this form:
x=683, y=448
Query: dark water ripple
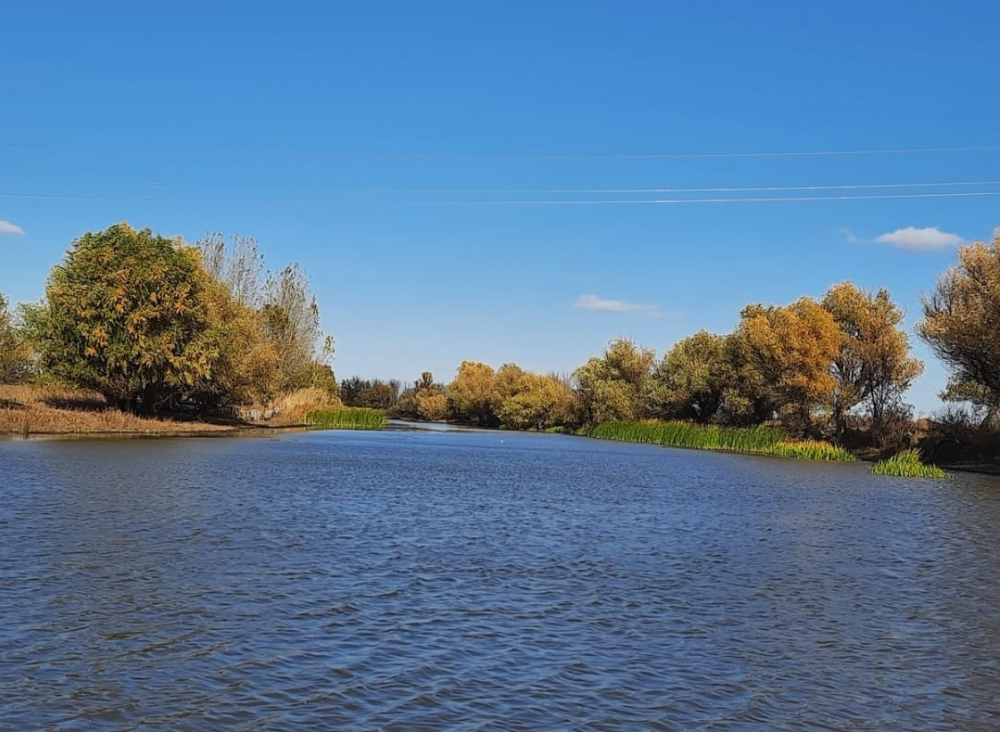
x=487, y=581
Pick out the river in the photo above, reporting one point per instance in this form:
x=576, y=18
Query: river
x=485, y=580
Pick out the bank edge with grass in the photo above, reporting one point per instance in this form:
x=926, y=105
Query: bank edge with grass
x=347, y=418
x=760, y=440
x=907, y=464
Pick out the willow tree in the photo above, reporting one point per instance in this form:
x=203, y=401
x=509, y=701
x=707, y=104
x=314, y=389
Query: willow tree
x=121, y=315
x=470, y=394
x=873, y=366
x=426, y=399
x=961, y=324
x=292, y=323
x=523, y=400
x=240, y=365
x=691, y=380
x=782, y=358
x=611, y=387
x=237, y=264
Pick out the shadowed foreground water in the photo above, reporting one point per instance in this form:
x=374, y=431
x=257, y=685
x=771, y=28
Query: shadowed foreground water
x=409, y=580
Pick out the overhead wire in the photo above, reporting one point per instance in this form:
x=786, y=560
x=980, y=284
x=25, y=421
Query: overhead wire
x=482, y=156
x=521, y=202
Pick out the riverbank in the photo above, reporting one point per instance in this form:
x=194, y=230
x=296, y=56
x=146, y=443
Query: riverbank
x=761, y=440
x=27, y=411
x=34, y=410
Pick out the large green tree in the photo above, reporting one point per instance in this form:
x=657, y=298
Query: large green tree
x=121, y=315
x=691, y=380
x=611, y=387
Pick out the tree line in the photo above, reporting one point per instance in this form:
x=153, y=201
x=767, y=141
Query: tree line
x=154, y=324
x=826, y=366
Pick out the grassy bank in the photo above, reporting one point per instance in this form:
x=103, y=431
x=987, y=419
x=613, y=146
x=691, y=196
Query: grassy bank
x=749, y=440
x=46, y=410
x=347, y=418
x=907, y=464
x=33, y=410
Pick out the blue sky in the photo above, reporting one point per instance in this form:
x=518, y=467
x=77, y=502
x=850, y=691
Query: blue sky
x=450, y=173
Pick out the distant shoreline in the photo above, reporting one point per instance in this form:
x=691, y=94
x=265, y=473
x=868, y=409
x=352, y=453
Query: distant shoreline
x=33, y=412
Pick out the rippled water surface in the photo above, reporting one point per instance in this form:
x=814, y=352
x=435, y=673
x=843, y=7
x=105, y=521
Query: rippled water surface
x=471, y=580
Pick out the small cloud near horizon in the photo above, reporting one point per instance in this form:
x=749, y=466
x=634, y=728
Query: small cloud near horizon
x=912, y=239
x=8, y=228
x=849, y=235
x=601, y=305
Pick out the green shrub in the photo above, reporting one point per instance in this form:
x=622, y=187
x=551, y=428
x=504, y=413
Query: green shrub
x=812, y=450
x=907, y=464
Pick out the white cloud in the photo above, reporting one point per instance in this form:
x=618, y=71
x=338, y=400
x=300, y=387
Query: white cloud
x=600, y=305
x=913, y=239
x=8, y=228
x=849, y=235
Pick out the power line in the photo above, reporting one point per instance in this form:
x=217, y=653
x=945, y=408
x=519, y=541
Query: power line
x=510, y=191
x=708, y=189
x=497, y=156
x=680, y=201
x=714, y=189
x=525, y=202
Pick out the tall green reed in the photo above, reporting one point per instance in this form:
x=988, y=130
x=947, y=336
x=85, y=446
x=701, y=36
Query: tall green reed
x=907, y=464
x=347, y=418
x=760, y=440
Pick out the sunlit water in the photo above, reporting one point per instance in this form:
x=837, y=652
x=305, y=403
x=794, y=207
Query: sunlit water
x=477, y=580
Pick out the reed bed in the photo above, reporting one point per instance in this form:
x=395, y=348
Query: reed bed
x=761, y=440
x=812, y=450
x=347, y=418
x=907, y=464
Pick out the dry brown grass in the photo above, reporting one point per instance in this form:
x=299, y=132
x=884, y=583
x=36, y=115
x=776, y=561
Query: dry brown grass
x=292, y=408
x=28, y=410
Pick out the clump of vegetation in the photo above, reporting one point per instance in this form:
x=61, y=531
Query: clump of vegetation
x=812, y=450
x=15, y=348
x=907, y=464
x=760, y=440
x=959, y=324
x=424, y=400
x=347, y=418
x=686, y=434
x=155, y=325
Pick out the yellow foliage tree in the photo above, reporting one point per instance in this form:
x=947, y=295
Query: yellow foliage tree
x=470, y=394
x=691, y=380
x=961, y=324
x=239, y=364
x=523, y=400
x=611, y=387
x=872, y=365
x=782, y=358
